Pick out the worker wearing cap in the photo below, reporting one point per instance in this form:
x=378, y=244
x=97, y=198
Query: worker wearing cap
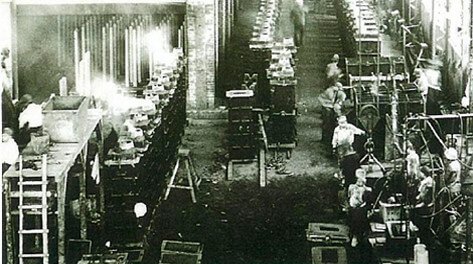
x=9, y=153
x=344, y=136
x=333, y=73
x=452, y=171
x=332, y=101
x=357, y=196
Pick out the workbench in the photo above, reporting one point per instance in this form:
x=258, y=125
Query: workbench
x=61, y=158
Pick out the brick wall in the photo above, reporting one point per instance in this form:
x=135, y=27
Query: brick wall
x=201, y=50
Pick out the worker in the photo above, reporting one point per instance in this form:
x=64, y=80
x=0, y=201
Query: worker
x=9, y=118
x=332, y=100
x=421, y=82
x=348, y=165
x=357, y=196
x=332, y=72
x=344, y=136
x=452, y=171
x=6, y=71
x=413, y=162
x=10, y=152
x=425, y=190
x=30, y=121
x=21, y=105
x=298, y=19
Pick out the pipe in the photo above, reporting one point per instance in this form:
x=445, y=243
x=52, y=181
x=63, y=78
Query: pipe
x=135, y=59
x=88, y=36
x=433, y=35
x=127, y=60
x=138, y=53
x=76, y=58
x=59, y=41
x=110, y=30
x=130, y=53
x=82, y=36
x=116, y=51
x=104, y=52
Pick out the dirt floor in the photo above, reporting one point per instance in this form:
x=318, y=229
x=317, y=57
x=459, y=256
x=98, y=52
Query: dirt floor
x=236, y=220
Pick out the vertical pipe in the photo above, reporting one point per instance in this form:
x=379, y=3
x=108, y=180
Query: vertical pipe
x=93, y=50
x=127, y=69
x=469, y=230
x=135, y=59
x=104, y=53
x=59, y=40
x=82, y=36
x=110, y=29
x=434, y=17
x=138, y=52
x=65, y=38
x=87, y=34
x=130, y=53
x=119, y=46
x=76, y=57
x=115, y=48
x=179, y=35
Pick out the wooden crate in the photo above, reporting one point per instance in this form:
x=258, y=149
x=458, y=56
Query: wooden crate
x=329, y=255
x=179, y=252
x=325, y=233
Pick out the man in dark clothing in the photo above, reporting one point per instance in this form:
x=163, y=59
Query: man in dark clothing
x=298, y=19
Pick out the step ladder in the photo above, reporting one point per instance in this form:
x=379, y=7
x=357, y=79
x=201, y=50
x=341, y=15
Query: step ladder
x=192, y=178
x=24, y=209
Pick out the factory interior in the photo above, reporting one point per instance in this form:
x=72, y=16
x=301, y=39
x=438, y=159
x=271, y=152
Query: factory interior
x=237, y=131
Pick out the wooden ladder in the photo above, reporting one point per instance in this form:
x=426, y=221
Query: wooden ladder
x=192, y=178
x=33, y=208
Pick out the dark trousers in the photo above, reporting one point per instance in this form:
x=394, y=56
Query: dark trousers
x=298, y=35
x=358, y=221
x=348, y=165
x=328, y=125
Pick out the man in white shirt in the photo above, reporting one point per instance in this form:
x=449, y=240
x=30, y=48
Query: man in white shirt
x=452, y=171
x=10, y=152
x=332, y=72
x=30, y=121
x=344, y=136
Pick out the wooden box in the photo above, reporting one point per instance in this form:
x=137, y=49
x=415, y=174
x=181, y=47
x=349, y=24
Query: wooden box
x=178, y=252
x=325, y=233
x=329, y=255
x=64, y=117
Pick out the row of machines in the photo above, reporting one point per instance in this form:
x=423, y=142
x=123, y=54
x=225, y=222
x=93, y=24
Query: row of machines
x=242, y=119
x=282, y=80
x=360, y=33
x=375, y=83
x=260, y=44
x=138, y=166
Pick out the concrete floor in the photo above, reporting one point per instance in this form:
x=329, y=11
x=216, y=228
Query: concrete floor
x=237, y=221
